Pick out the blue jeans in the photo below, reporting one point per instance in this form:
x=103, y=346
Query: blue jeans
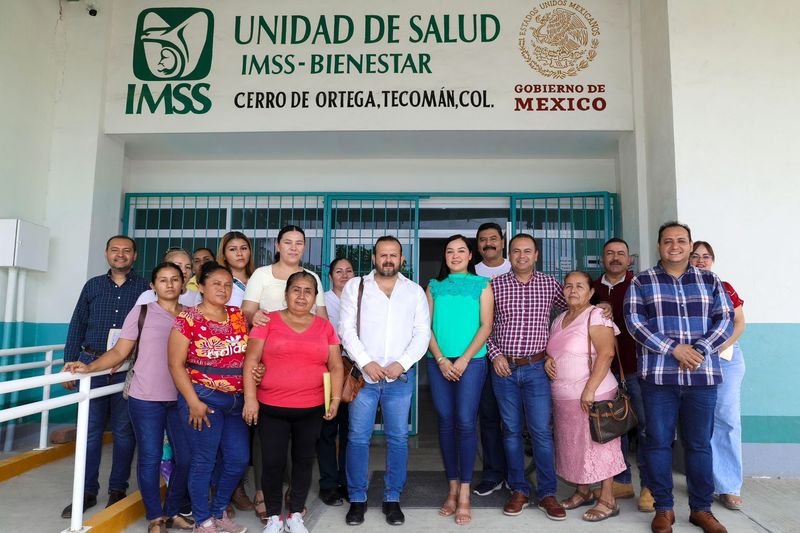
x=524, y=397
x=493, y=452
x=664, y=406
x=727, y=440
x=150, y=419
x=228, y=433
x=635, y=392
x=456, y=404
x=395, y=401
x=111, y=410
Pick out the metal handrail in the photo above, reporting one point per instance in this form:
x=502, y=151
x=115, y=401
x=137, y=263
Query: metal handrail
x=47, y=364
x=82, y=397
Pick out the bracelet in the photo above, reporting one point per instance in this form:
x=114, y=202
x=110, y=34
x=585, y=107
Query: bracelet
x=439, y=361
x=336, y=398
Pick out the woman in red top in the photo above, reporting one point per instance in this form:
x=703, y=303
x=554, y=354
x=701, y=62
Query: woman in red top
x=726, y=442
x=297, y=348
x=206, y=353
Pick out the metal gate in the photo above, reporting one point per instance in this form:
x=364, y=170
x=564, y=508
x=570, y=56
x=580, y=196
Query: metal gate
x=570, y=227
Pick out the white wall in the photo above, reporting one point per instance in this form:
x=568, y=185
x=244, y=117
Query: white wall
x=380, y=175
x=737, y=133
x=82, y=186
x=655, y=124
x=31, y=47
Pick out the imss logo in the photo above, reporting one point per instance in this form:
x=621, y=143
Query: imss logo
x=172, y=44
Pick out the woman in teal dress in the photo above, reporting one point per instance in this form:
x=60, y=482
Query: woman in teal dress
x=462, y=312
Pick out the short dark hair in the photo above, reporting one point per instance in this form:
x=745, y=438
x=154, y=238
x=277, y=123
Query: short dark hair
x=612, y=240
x=387, y=238
x=161, y=266
x=698, y=244
x=209, y=250
x=298, y=276
x=209, y=268
x=523, y=236
x=133, y=243
x=443, y=270
x=673, y=224
x=489, y=225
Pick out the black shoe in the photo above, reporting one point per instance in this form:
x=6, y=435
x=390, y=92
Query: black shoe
x=114, y=496
x=89, y=500
x=355, y=516
x=331, y=497
x=394, y=515
x=342, y=491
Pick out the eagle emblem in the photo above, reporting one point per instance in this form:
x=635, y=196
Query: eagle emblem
x=559, y=41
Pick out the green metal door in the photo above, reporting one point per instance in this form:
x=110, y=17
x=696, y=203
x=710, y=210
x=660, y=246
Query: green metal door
x=354, y=223
x=570, y=229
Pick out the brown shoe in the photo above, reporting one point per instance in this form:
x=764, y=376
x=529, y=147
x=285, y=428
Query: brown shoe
x=241, y=500
x=550, y=507
x=516, y=503
x=647, y=504
x=622, y=491
x=707, y=522
x=662, y=522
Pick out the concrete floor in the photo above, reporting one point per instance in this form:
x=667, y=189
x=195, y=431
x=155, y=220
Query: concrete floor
x=33, y=501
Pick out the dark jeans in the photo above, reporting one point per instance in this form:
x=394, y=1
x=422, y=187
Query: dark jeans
x=111, y=410
x=228, y=433
x=456, y=404
x=332, y=463
x=277, y=425
x=635, y=392
x=150, y=419
x=524, y=399
x=492, y=449
x=693, y=406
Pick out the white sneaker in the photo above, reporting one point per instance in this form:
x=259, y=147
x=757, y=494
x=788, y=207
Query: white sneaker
x=274, y=525
x=294, y=524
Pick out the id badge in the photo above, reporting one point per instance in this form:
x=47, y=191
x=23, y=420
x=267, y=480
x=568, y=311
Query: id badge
x=113, y=337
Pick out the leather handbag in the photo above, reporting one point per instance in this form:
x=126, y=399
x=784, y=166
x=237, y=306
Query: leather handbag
x=134, y=353
x=353, y=378
x=609, y=419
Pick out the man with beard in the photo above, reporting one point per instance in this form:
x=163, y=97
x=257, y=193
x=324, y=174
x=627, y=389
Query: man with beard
x=96, y=322
x=611, y=288
x=490, y=245
x=385, y=328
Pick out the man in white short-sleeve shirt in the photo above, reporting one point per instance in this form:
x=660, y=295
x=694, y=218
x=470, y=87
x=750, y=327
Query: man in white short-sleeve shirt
x=490, y=245
x=392, y=335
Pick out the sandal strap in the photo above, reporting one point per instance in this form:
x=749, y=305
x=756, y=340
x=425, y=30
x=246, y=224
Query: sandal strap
x=601, y=501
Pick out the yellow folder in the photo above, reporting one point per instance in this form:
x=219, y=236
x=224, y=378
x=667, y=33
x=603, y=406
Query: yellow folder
x=326, y=385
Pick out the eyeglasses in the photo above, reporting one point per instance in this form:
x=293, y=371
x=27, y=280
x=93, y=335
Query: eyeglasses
x=704, y=257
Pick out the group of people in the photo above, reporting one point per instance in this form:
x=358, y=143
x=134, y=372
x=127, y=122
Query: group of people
x=230, y=355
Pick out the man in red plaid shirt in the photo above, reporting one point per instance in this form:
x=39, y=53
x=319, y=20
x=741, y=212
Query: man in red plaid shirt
x=523, y=301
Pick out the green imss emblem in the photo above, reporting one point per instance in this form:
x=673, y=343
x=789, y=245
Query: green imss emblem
x=173, y=43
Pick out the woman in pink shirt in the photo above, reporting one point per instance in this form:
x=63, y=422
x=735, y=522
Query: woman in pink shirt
x=297, y=348
x=152, y=397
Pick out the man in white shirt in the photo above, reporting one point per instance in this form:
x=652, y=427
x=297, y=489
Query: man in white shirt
x=391, y=335
x=490, y=246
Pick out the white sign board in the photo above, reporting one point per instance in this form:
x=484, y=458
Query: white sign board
x=358, y=66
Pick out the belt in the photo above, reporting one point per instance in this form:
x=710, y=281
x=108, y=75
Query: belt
x=216, y=370
x=526, y=359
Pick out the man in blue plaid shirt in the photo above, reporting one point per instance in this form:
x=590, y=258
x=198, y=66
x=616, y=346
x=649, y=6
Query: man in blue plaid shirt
x=104, y=303
x=679, y=316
